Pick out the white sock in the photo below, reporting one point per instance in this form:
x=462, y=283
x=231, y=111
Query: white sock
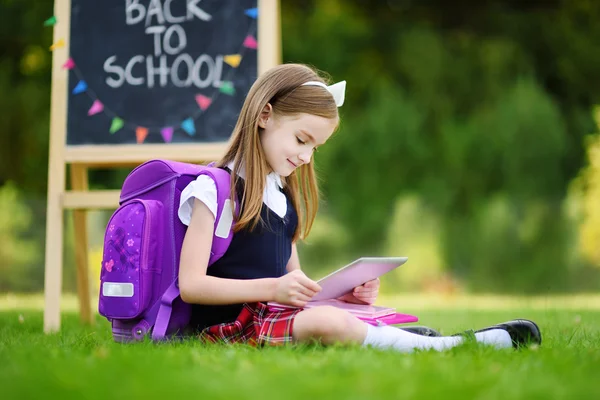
x=498, y=338
x=390, y=337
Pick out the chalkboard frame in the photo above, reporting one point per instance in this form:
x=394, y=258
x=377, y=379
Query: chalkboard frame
x=79, y=158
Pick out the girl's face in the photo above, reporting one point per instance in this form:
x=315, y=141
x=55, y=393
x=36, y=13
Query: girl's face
x=290, y=141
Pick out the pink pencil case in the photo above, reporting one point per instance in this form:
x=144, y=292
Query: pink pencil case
x=390, y=319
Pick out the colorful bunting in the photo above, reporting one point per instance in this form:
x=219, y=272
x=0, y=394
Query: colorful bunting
x=80, y=88
x=167, y=134
x=70, y=64
x=227, y=88
x=50, y=21
x=140, y=134
x=117, y=123
x=250, y=42
x=96, y=107
x=189, y=127
x=233, y=60
x=203, y=101
x=252, y=12
x=58, y=45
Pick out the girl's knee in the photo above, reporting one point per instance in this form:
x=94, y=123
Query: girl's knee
x=328, y=325
x=330, y=321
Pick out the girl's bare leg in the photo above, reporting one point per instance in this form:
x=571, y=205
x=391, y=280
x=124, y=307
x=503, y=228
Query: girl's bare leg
x=328, y=325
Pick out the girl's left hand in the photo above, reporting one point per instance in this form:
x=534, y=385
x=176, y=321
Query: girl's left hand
x=363, y=294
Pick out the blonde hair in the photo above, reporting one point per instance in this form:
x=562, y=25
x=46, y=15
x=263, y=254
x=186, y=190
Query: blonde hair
x=280, y=87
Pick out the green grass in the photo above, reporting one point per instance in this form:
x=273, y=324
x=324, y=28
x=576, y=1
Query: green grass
x=82, y=362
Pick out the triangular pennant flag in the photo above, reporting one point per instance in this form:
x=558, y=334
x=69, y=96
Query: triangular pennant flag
x=167, y=134
x=252, y=12
x=80, y=88
x=96, y=107
x=233, y=60
x=58, y=45
x=203, y=101
x=140, y=134
x=50, y=21
x=189, y=127
x=116, y=124
x=227, y=88
x=70, y=64
x=250, y=42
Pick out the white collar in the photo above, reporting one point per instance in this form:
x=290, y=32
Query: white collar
x=273, y=176
x=277, y=178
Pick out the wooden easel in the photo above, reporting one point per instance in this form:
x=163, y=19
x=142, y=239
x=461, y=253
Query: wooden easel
x=81, y=158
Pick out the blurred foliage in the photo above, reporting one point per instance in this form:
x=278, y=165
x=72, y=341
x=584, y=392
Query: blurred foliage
x=25, y=68
x=414, y=232
x=18, y=251
x=478, y=109
x=588, y=187
x=95, y=264
x=464, y=125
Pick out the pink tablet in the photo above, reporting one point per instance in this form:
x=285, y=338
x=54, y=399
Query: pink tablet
x=355, y=274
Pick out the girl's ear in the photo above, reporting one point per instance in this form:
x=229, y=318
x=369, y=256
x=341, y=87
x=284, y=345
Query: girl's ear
x=265, y=114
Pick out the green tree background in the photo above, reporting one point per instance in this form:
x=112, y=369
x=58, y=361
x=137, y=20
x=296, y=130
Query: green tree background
x=464, y=128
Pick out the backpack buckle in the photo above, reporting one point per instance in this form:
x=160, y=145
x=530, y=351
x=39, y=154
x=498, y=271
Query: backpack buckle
x=140, y=330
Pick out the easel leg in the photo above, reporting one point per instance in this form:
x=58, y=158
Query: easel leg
x=79, y=181
x=56, y=173
x=54, y=259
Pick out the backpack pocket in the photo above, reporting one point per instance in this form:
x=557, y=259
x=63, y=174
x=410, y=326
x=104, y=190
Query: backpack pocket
x=129, y=265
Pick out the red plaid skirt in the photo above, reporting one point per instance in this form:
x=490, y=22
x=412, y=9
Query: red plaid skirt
x=256, y=326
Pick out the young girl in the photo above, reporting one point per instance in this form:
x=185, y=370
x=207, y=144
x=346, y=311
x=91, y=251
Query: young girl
x=289, y=112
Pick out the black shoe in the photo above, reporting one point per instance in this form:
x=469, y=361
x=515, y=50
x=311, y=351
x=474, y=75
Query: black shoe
x=422, y=330
x=523, y=332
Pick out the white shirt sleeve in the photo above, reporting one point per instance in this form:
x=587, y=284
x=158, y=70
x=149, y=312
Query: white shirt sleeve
x=203, y=189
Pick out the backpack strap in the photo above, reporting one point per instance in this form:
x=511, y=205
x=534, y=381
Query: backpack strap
x=164, y=311
x=158, y=316
x=222, y=236
x=223, y=232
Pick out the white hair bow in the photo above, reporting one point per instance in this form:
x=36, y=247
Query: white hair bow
x=338, y=90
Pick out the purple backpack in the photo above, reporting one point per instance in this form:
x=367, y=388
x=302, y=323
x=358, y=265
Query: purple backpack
x=138, y=279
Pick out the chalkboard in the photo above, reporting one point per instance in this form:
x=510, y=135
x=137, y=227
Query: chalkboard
x=159, y=71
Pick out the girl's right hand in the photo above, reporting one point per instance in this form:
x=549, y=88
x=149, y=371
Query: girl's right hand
x=295, y=289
